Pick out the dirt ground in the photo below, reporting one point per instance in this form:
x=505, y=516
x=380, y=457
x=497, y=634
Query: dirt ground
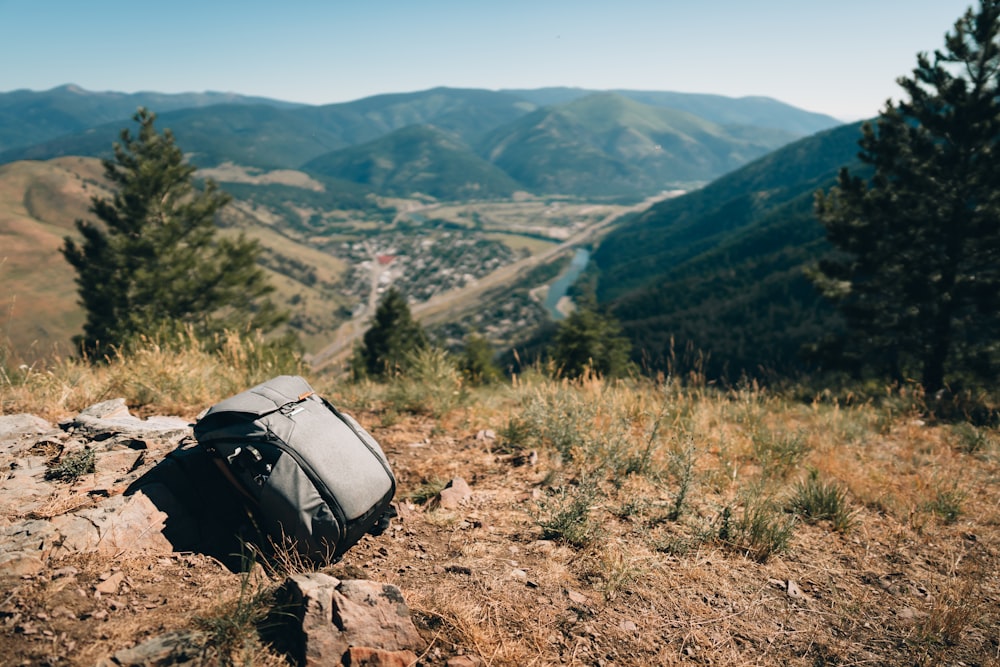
x=481, y=582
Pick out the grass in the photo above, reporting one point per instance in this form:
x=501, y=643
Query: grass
x=170, y=375
x=233, y=628
x=656, y=522
x=815, y=500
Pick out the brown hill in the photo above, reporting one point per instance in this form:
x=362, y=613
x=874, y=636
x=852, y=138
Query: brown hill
x=38, y=203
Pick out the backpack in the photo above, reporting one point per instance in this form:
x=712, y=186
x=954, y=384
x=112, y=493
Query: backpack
x=314, y=479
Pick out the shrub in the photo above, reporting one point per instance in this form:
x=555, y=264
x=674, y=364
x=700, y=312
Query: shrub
x=814, y=501
x=72, y=466
x=761, y=531
x=565, y=516
x=431, y=384
x=947, y=504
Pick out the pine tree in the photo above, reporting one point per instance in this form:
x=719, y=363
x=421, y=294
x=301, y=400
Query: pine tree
x=916, y=268
x=477, y=361
x=155, y=262
x=590, y=339
x=393, y=336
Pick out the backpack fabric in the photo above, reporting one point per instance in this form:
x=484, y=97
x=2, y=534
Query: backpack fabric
x=312, y=476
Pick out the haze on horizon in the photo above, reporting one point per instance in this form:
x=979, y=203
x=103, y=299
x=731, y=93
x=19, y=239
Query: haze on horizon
x=839, y=59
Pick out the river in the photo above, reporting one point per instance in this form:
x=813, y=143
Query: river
x=559, y=287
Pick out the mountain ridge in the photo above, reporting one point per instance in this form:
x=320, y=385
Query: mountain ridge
x=255, y=132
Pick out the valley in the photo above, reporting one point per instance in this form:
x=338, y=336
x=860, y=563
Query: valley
x=498, y=311
x=465, y=266
x=470, y=202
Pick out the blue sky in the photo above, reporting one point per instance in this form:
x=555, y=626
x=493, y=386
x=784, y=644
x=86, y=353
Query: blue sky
x=841, y=58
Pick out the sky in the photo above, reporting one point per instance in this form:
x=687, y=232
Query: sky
x=840, y=58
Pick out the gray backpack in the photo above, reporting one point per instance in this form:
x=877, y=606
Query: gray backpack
x=314, y=479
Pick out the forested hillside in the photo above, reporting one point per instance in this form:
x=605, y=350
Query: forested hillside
x=720, y=270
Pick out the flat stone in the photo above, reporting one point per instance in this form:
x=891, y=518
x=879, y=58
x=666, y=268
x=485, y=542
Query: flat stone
x=19, y=563
x=120, y=524
x=454, y=495
x=118, y=462
x=112, y=419
x=178, y=649
x=16, y=427
x=30, y=535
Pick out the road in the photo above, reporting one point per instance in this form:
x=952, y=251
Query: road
x=458, y=300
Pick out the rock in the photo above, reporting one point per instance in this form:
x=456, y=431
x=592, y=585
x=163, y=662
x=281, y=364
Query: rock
x=134, y=501
x=456, y=493
x=177, y=649
x=18, y=427
x=358, y=656
x=335, y=615
x=111, y=409
x=118, y=462
x=794, y=591
x=464, y=661
x=486, y=435
x=121, y=524
x=111, y=419
x=20, y=563
x=110, y=585
x=910, y=614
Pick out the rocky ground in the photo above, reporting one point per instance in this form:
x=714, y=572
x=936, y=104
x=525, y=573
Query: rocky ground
x=126, y=563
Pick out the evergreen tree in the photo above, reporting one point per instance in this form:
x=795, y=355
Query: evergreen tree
x=477, y=361
x=589, y=339
x=392, y=337
x=916, y=272
x=156, y=261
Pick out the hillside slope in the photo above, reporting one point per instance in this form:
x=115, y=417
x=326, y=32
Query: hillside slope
x=720, y=269
x=606, y=144
x=38, y=204
x=755, y=110
x=417, y=159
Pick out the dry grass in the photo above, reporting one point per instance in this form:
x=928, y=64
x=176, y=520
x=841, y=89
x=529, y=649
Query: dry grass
x=178, y=375
x=632, y=522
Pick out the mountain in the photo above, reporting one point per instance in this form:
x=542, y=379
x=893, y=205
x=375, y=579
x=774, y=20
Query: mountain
x=601, y=144
x=606, y=144
x=253, y=135
x=720, y=270
x=756, y=111
x=417, y=159
x=28, y=117
x=466, y=113
x=271, y=136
